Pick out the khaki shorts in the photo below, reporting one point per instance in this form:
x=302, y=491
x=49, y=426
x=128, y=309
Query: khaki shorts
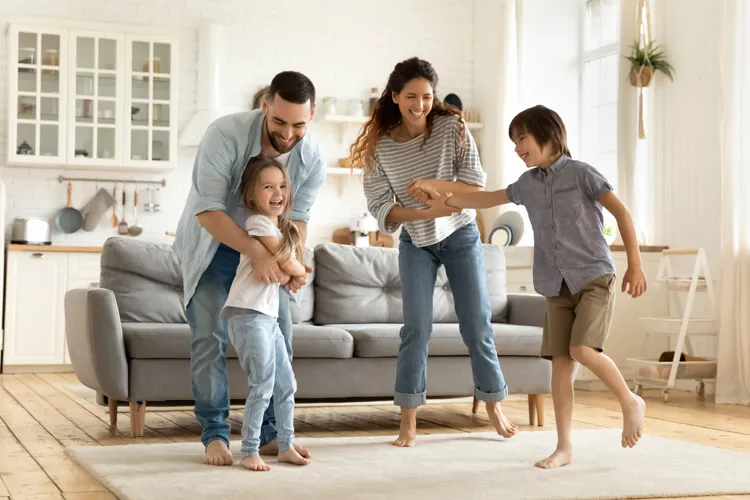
x=582, y=319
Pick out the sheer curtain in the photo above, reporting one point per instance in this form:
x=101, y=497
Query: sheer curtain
x=733, y=377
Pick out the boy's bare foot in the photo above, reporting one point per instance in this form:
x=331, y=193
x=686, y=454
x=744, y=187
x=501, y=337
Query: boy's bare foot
x=254, y=462
x=291, y=456
x=272, y=448
x=217, y=453
x=560, y=458
x=500, y=422
x=633, y=415
x=407, y=436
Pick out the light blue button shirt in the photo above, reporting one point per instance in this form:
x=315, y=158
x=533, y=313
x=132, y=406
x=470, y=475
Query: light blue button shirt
x=225, y=150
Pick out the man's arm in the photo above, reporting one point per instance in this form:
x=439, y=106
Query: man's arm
x=289, y=265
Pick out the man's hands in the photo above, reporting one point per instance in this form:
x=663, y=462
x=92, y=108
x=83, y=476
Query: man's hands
x=297, y=282
x=267, y=270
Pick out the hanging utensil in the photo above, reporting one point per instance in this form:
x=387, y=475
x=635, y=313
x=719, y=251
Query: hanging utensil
x=68, y=220
x=135, y=229
x=122, y=228
x=114, y=219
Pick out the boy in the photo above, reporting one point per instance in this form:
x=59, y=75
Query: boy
x=573, y=266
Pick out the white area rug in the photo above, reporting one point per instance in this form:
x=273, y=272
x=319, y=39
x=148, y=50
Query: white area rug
x=441, y=466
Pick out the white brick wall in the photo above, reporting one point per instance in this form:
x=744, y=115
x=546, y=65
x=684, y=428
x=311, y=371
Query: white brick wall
x=340, y=44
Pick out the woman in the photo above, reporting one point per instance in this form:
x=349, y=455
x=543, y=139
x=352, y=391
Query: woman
x=410, y=143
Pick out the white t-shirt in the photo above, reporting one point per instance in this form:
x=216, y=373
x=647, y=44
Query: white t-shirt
x=240, y=213
x=246, y=291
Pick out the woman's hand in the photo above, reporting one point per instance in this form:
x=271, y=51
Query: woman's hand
x=438, y=203
x=416, y=189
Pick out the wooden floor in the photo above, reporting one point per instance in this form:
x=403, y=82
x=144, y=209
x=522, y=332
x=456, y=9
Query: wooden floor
x=42, y=414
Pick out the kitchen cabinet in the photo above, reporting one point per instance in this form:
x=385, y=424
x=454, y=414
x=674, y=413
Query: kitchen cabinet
x=626, y=332
x=82, y=97
x=34, y=303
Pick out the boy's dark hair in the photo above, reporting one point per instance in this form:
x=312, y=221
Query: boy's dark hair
x=260, y=94
x=292, y=86
x=544, y=125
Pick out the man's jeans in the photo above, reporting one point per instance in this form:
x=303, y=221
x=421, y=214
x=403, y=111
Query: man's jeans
x=262, y=353
x=461, y=254
x=208, y=365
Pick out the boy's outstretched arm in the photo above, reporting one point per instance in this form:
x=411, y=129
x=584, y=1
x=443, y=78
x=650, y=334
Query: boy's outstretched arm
x=478, y=199
x=634, y=276
x=290, y=265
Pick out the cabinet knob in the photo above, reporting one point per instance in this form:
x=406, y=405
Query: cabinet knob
x=523, y=288
x=37, y=255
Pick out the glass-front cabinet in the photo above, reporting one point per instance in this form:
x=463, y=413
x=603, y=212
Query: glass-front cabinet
x=92, y=99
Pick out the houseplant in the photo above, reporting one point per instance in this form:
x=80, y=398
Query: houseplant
x=645, y=60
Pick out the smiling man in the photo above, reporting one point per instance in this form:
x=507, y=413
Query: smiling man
x=210, y=240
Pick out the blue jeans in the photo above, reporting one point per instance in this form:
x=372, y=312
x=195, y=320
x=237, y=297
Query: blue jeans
x=208, y=363
x=262, y=353
x=461, y=254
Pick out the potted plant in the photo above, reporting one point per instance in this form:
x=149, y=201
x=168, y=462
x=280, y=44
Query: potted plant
x=645, y=60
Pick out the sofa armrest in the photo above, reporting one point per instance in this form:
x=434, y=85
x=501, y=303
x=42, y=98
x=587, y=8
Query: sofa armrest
x=526, y=309
x=95, y=341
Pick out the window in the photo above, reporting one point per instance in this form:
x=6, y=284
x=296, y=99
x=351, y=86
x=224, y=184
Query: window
x=600, y=74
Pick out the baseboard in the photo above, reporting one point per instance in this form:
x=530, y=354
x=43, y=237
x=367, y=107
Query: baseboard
x=37, y=369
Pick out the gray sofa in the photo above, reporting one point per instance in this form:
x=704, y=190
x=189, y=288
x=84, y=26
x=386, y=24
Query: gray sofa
x=129, y=339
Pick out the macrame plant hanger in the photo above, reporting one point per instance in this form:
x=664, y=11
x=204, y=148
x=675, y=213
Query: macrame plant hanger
x=644, y=74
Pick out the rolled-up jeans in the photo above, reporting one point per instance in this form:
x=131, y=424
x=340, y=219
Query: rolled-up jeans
x=208, y=364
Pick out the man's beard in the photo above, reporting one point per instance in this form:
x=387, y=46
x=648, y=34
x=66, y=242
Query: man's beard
x=275, y=144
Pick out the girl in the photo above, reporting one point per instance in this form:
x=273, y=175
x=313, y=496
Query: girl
x=573, y=266
x=412, y=142
x=252, y=308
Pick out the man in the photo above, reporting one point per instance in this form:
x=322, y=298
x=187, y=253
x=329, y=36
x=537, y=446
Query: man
x=210, y=239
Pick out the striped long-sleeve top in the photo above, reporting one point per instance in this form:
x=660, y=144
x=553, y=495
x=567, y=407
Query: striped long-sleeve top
x=442, y=158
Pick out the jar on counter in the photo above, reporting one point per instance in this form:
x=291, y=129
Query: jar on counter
x=329, y=106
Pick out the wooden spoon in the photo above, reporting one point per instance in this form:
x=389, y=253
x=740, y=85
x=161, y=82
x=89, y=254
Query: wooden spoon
x=114, y=218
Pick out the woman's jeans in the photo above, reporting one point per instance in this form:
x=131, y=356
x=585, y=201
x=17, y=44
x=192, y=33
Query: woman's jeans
x=462, y=255
x=262, y=353
x=208, y=362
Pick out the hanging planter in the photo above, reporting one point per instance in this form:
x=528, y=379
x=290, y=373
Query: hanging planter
x=645, y=60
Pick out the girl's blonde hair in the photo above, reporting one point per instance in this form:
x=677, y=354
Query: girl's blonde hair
x=291, y=243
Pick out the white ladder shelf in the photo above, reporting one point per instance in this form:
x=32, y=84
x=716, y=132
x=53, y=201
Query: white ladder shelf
x=664, y=372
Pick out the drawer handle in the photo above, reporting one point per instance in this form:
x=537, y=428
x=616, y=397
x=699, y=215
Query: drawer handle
x=37, y=255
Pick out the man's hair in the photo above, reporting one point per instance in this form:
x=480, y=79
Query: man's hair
x=544, y=124
x=292, y=86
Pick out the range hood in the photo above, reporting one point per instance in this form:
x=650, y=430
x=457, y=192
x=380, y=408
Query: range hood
x=211, y=53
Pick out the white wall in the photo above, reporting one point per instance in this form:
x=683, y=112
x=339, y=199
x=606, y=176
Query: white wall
x=340, y=44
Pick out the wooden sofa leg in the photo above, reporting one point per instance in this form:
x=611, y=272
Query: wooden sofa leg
x=113, y=412
x=474, y=405
x=137, y=418
x=540, y=410
x=533, y=400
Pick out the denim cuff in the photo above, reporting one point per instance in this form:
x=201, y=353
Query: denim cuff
x=491, y=397
x=409, y=400
x=285, y=445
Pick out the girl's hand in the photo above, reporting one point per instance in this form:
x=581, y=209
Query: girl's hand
x=637, y=281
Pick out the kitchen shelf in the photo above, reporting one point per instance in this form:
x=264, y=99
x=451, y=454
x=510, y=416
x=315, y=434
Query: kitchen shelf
x=351, y=119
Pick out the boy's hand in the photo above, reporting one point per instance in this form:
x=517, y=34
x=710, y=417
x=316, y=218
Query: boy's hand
x=437, y=203
x=637, y=281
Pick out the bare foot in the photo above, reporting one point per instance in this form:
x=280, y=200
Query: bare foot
x=500, y=422
x=407, y=436
x=633, y=415
x=291, y=456
x=272, y=448
x=560, y=458
x=217, y=453
x=254, y=462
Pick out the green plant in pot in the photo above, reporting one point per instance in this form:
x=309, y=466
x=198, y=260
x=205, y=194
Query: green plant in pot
x=645, y=60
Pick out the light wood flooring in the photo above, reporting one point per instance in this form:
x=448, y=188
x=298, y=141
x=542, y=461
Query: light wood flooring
x=41, y=414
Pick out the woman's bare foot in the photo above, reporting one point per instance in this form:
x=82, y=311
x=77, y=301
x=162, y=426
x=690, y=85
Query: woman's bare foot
x=217, y=453
x=560, y=458
x=291, y=456
x=633, y=415
x=500, y=422
x=272, y=448
x=254, y=462
x=407, y=436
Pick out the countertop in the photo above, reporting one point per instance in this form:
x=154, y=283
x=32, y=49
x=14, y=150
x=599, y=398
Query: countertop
x=54, y=248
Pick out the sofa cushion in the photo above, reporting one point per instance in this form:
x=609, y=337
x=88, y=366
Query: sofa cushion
x=356, y=285
x=146, y=280
x=382, y=340
x=172, y=341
